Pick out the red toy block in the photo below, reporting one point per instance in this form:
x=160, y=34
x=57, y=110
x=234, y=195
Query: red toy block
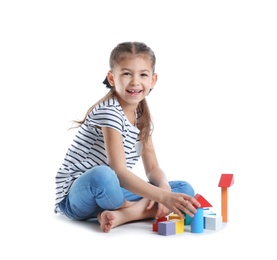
x=204, y=203
x=226, y=180
x=155, y=225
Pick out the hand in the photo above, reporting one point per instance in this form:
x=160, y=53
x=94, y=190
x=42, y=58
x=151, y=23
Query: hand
x=162, y=210
x=181, y=203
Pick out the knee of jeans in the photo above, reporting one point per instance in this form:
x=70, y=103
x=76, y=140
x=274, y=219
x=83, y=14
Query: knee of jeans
x=183, y=187
x=103, y=174
x=189, y=190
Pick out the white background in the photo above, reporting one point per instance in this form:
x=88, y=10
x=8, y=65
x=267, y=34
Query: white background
x=214, y=102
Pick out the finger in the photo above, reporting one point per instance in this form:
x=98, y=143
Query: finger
x=159, y=213
x=189, y=209
x=192, y=201
x=150, y=204
x=191, y=204
x=185, y=211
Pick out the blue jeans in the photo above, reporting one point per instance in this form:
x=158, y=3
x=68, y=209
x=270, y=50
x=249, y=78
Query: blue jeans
x=98, y=189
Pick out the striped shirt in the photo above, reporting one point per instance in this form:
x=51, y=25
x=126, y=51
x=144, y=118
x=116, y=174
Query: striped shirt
x=87, y=149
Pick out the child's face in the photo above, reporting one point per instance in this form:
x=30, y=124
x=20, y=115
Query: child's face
x=133, y=78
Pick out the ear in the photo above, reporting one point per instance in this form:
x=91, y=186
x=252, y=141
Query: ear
x=110, y=78
x=154, y=80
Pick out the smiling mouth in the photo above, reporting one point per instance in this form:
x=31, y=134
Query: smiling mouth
x=134, y=91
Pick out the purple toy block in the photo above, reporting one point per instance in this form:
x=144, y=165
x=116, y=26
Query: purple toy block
x=166, y=228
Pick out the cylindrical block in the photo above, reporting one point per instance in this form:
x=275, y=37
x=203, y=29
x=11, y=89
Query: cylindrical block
x=197, y=223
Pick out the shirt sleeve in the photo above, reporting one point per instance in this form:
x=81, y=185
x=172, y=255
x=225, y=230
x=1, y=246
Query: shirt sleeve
x=107, y=117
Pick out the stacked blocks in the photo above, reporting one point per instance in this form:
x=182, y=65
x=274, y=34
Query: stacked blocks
x=197, y=222
x=207, y=213
x=173, y=216
x=179, y=226
x=179, y=223
x=226, y=181
x=155, y=225
x=204, y=218
x=171, y=226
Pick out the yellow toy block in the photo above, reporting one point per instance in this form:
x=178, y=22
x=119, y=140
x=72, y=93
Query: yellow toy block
x=174, y=216
x=179, y=225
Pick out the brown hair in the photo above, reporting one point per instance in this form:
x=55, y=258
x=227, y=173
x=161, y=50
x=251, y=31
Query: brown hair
x=144, y=122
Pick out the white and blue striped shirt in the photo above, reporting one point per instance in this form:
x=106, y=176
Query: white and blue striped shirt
x=87, y=149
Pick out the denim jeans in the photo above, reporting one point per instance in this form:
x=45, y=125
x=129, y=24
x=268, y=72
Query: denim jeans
x=99, y=189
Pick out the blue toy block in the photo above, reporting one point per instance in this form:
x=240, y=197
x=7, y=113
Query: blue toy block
x=166, y=228
x=197, y=222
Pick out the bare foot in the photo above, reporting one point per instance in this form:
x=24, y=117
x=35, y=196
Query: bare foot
x=128, y=204
x=106, y=220
x=129, y=211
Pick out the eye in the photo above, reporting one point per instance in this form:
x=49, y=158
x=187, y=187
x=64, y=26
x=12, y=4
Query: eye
x=126, y=73
x=144, y=75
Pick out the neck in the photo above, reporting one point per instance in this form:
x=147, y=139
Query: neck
x=129, y=110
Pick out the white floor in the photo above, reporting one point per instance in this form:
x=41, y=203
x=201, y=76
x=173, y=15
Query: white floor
x=40, y=234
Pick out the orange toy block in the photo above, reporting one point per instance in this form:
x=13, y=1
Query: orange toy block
x=224, y=204
x=226, y=180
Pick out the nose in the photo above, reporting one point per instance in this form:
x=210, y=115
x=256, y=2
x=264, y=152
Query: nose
x=134, y=81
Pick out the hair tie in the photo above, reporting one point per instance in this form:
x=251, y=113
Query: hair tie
x=106, y=82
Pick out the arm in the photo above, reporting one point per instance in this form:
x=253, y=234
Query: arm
x=117, y=161
x=155, y=175
x=152, y=169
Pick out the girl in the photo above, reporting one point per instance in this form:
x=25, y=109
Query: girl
x=95, y=179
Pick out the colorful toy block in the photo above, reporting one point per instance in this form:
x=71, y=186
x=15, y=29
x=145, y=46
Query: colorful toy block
x=207, y=212
x=166, y=228
x=213, y=222
x=187, y=220
x=204, y=203
x=155, y=225
x=197, y=222
x=204, y=218
x=174, y=216
x=226, y=180
x=179, y=225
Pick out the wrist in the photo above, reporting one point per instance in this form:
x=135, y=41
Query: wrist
x=165, y=186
